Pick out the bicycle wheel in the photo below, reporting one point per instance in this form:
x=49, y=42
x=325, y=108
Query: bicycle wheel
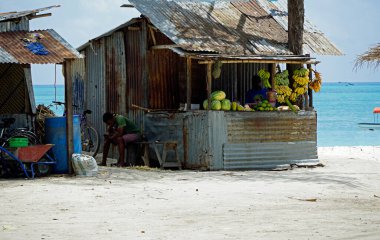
x=33, y=139
x=90, y=141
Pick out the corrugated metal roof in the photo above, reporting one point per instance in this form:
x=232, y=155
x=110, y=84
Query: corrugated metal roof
x=15, y=15
x=230, y=27
x=12, y=49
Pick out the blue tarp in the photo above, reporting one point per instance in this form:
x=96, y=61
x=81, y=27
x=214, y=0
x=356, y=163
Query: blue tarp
x=37, y=48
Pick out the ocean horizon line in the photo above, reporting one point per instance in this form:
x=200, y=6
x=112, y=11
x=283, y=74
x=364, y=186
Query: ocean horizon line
x=322, y=83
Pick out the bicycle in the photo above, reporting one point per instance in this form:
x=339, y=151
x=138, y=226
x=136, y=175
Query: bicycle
x=90, y=138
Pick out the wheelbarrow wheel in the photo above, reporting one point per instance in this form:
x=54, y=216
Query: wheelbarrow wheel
x=42, y=170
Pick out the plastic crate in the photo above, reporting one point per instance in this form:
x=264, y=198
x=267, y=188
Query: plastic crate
x=18, y=142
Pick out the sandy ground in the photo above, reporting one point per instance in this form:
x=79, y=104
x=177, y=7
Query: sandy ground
x=338, y=201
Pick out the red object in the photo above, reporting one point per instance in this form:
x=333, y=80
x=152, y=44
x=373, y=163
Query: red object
x=33, y=153
x=376, y=110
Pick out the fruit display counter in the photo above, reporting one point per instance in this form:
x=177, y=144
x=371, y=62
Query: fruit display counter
x=230, y=140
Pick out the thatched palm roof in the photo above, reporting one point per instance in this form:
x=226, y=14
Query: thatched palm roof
x=371, y=58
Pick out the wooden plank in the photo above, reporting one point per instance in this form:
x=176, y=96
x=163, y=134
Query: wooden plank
x=188, y=82
x=209, y=84
x=69, y=111
x=29, y=87
x=272, y=74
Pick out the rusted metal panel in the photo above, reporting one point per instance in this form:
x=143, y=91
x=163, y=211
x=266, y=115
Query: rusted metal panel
x=95, y=84
x=237, y=79
x=13, y=48
x=136, y=93
x=164, y=79
x=248, y=127
x=115, y=73
x=269, y=155
x=229, y=27
x=21, y=25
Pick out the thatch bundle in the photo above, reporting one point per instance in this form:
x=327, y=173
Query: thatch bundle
x=371, y=58
x=42, y=112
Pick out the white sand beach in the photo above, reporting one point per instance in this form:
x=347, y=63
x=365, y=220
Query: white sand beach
x=338, y=201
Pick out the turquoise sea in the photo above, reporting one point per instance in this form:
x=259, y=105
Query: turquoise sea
x=340, y=107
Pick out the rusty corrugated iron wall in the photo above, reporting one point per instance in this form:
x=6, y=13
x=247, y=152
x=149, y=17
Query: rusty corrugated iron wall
x=164, y=78
x=271, y=127
x=137, y=72
x=95, y=84
x=115, y=73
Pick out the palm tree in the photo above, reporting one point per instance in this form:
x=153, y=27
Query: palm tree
x=296, y=16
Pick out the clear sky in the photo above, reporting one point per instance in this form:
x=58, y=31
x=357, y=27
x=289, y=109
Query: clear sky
x=351, y=25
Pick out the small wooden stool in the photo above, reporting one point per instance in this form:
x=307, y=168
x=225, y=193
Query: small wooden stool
x=170, y=146
x=162, y=159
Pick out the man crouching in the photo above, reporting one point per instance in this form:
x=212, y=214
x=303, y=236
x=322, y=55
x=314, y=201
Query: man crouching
x=121, y=131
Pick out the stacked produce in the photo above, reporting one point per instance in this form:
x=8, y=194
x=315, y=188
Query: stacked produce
x=264, y=76
x=317, y=82
x=282, y=86
x=220, y=102
x=301, y=80
x=264, y=106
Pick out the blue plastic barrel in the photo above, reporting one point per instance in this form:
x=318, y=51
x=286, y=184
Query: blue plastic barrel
x=55, y=133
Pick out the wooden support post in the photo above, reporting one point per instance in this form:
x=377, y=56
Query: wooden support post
x=209, y=85
x=188, y=83
x=272, y=74
x=69, y=111
x=309, y=94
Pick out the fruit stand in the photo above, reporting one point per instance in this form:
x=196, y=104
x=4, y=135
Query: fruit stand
x=277, y=131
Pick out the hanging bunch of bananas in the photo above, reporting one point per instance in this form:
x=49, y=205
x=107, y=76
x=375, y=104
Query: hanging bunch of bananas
x=264, y=76
x=317, y=81
x=301, y=80
x=282, y=86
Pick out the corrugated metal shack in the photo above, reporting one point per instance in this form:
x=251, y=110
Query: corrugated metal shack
x=165, y=58
x=16, y=91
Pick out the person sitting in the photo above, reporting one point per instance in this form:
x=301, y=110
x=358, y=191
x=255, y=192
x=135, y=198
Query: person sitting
x=257, y=93
x=121, y=131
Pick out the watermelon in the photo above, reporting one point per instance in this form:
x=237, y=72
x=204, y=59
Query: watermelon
x=216, y=105
x=226, y=105
x=205, y=104
x=218, y=95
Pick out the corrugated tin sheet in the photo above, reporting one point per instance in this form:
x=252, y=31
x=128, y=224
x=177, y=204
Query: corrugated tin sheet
x=13, y=48
x=116, y=73
x=78, y=77
x=14, y=15
x=13, y=97
x=271, y=127
x=95, y=86
x=137, y=74
x=234, y=28
x=206, y=139
x=269, y=155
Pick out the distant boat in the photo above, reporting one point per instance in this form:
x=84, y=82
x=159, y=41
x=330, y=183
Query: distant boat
x=375, y=124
